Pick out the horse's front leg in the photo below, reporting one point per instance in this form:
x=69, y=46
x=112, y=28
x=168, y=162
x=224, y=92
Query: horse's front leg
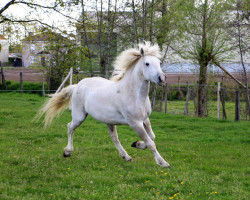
x=148, y=128
x=114, y=137
x=140, y=130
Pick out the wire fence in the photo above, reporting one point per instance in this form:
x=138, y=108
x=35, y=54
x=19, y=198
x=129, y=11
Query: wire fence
x=221, y=102
x=174, y=98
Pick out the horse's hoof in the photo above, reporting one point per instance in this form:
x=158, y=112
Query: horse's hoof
x=134, y=144
x=66, y=154
x=129, y=159
x=139, y=145
x=166, y=165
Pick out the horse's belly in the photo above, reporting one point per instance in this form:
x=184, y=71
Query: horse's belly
x=108, y=117
x=104, y=112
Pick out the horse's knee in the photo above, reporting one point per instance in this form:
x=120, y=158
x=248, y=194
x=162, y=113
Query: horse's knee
x=151, y=146
x=152, y=136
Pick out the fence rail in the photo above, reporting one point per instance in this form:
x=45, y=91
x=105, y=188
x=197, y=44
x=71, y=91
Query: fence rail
x=222, y=102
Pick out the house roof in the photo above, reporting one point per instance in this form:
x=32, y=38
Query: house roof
x=47, y=36
x=2, y=37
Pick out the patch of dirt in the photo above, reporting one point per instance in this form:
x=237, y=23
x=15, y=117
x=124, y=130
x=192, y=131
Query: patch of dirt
x=33, y=75
x=30, y=75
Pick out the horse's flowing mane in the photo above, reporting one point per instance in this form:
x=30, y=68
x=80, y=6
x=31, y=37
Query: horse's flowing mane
x=130, y=57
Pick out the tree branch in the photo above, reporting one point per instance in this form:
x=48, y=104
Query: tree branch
x=29, y=21
x=7, y=6
x=228, y=73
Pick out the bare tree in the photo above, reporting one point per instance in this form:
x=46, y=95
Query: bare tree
x=239, y=34
x=84, y=40
x=204, y=40
x=54, y=5
x=135, y=22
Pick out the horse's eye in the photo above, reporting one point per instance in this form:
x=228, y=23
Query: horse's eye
x=147, y=64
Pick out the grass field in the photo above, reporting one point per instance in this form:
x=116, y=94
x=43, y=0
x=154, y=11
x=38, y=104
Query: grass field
x=177, y=107
x=210, y=158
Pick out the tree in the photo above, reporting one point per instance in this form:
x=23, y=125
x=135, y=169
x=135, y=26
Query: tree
x=64, y=54
x=96, y=29
x=30, y=4
x=239, y=32
x=204, y=40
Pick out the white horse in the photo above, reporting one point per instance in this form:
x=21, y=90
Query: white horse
x=122, y=100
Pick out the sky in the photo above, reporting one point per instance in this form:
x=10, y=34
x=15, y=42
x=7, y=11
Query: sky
x=21, y=11
x=52, y=18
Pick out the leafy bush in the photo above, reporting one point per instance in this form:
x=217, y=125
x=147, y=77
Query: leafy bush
x=28, y=87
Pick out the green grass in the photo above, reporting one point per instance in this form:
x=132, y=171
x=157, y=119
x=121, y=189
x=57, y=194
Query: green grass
x=177, y=107
x=28, y=87
x=210, y=158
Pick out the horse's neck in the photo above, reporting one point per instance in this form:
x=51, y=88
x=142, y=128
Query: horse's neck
x=136, y=87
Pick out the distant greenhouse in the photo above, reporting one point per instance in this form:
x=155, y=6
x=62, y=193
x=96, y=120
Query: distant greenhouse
x=192, y=68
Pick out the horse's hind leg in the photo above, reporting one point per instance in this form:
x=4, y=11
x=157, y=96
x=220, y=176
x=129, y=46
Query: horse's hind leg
x=77, y=118
x=114, y=137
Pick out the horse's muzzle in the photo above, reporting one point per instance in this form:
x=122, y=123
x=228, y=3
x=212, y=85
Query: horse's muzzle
x=162, y=79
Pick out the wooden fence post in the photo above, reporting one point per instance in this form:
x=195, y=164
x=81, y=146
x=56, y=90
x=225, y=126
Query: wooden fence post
x=179, y=87
x=21, y=82
x=154, y=96
x=71, y=75
x=64, y=81
x=43, y=85
x=166, y=97
x=218, y=101
x=195, y=94
x=223, y=102
x=187, y=100
x=237, y=105
x=3, y=78
x=162, y=99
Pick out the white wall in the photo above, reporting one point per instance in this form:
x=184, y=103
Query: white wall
x=4, y=53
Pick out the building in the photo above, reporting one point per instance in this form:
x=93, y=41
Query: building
x=4, y=50
x=33, y=50
x=36, y=49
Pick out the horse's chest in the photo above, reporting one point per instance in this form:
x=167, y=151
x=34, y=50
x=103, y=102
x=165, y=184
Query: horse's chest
x=139, y=110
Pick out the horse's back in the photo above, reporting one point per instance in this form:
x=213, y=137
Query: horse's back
x=98, y=97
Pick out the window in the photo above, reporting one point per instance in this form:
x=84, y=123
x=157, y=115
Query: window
x=43, y=61
x=32, y=47
x=32, y=59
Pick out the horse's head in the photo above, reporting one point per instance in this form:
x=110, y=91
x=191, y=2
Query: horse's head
x=151, y=68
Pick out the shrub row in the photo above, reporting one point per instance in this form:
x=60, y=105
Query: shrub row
x=28, y=87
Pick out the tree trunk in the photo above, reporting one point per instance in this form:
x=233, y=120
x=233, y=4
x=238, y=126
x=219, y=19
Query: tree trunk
x=202, y=92
x=110, y=30
x=151, y=22
x=242, y=63
x=144, y=19
x=203, y=62
x=85, y=38
x=100, y=40
x=135, y=22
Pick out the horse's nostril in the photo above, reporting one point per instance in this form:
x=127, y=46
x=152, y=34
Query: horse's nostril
x=159, y=78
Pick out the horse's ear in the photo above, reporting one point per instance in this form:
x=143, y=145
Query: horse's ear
x=142, y=52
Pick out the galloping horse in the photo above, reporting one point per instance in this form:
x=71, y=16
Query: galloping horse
x=122, y=100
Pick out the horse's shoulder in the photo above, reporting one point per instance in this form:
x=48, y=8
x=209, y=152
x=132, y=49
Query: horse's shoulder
x=94, y=80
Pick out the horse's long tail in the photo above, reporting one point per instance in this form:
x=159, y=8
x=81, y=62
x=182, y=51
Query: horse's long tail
x=55, y=105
